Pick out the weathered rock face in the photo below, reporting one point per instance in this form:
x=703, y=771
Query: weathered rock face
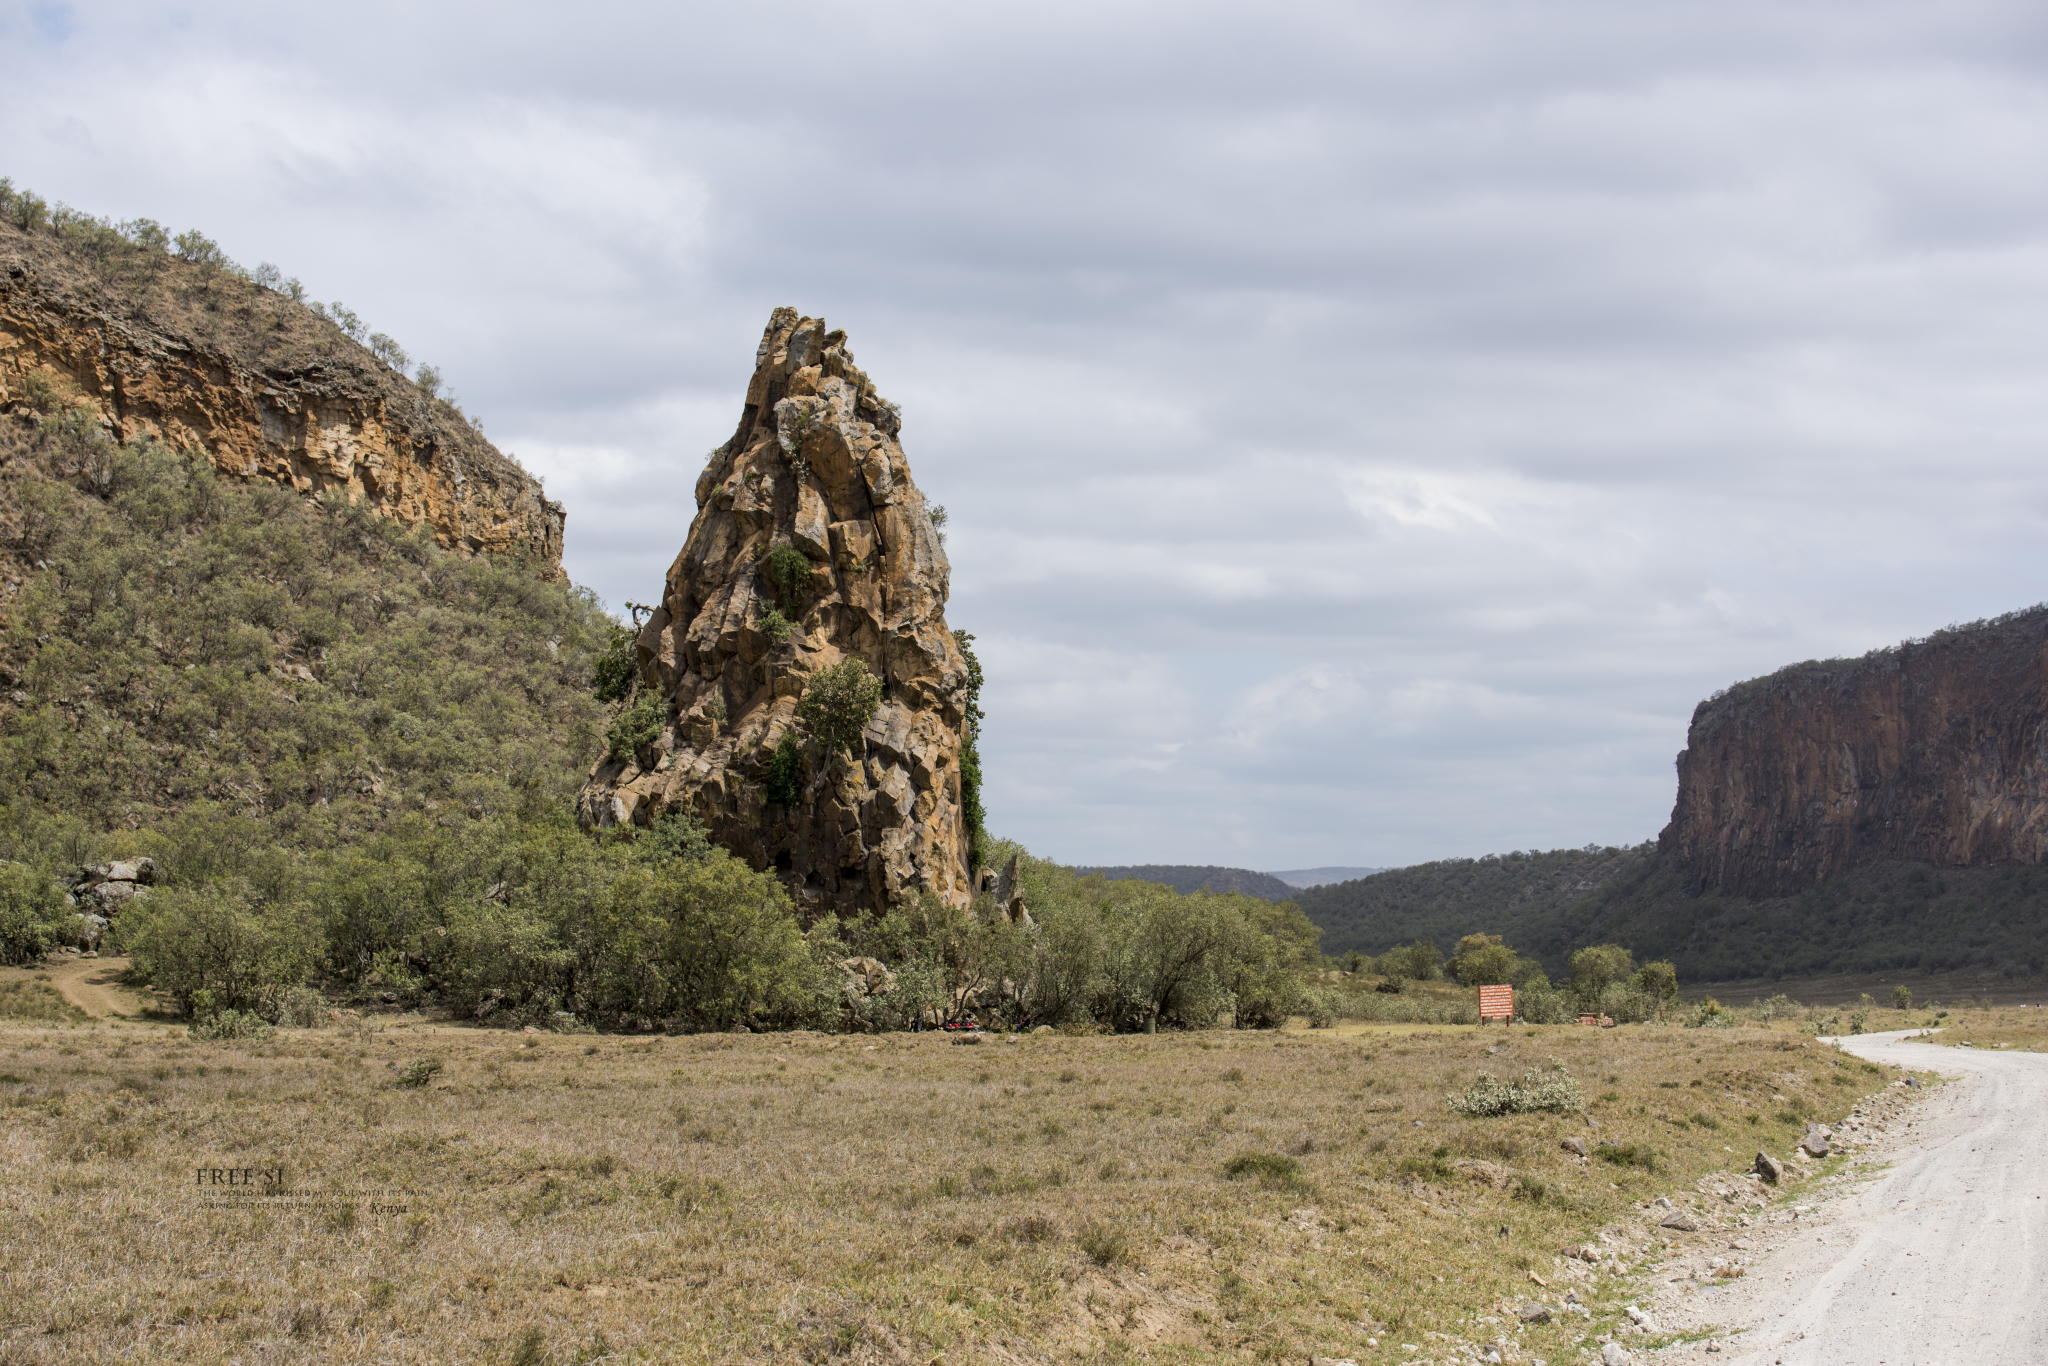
x=814, y=465
x=264, y=388
x=1934, y=751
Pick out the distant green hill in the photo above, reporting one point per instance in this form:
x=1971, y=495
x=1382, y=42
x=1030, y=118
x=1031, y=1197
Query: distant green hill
x=1884, y=917
x=1187, y=878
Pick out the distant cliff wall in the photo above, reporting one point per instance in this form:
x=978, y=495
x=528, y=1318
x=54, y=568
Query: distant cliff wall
x=150, y=345
x=1933, y=751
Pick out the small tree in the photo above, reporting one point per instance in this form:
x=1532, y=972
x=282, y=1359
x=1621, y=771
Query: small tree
x=1595, y=969
x=388, y=351
x=786, y=771
x=838, y=703
x=1485, y=959
x=1420, y=961
x=1902, y=997
x=789, y=569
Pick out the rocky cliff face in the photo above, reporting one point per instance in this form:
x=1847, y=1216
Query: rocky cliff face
x=1934, y=751
x=814, y=465
x=150, y=345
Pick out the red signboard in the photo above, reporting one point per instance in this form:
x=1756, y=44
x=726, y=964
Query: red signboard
x=1496, y=1003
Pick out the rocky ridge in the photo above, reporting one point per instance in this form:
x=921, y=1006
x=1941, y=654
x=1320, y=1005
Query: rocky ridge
x=1933, y=751
x=814, y=466
x=205, y=360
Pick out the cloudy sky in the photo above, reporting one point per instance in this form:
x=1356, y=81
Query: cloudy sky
x=1368, y=428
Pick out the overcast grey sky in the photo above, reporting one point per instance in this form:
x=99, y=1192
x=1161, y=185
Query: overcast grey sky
x=1368, y=429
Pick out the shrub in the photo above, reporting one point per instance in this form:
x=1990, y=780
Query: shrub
x=1272, y=1170
x=31, y=908
x=677, y=835
x=218, y=947
x=1708, y=1014
x=418, y=1073
x=294, y=1007
x=1902, y=997
x=1640, y=1155
x=635, y=728
x=786, y=770
x=1556, y=1091
x=839, y=701
x=1105, y=1243
x=789, y=570
x=428, y=379
x=231, y=1024
x=617, y=668
x=776, y=626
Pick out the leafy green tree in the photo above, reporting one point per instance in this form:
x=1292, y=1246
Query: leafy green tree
x=617, y=668
x=1420, y=961
x=1658, y=981
x=1484, y=959
x=1902, y=997
x=731, y=952
x=1595, y=969
x=31, y=911
x=217, y=947
x=838, y=703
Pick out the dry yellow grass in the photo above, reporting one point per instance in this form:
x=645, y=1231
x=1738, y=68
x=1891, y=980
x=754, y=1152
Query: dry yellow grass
x=806, y=1197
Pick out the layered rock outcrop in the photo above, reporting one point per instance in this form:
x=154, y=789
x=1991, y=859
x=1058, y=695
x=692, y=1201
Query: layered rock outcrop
x=1934, y=751
x=815, y=465
x=265, y=388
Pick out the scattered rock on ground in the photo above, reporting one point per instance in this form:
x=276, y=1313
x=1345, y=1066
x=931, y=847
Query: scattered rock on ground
x=1769, y=1168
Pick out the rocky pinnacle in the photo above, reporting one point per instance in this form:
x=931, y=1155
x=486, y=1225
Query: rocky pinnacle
x=814, y=467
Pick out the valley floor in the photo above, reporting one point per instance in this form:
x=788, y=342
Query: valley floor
x=397, y=1190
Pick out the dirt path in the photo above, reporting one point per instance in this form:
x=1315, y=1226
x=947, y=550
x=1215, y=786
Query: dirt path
x=93, y=985
x=1931, y=1250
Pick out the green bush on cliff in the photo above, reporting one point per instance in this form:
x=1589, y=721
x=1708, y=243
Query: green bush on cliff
x=786, y=770
x=838, y=703
x=789, y=570
x=634, y=728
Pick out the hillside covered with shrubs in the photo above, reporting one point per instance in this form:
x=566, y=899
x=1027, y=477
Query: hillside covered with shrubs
x=1886, y=917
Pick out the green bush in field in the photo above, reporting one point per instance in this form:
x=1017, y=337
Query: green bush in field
x=1556, y=1090
x=231, y=1025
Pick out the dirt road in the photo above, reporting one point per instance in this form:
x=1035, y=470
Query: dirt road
x=93, y=985
x=1941, y=1260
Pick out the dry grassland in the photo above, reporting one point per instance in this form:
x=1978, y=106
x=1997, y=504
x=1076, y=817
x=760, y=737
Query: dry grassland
x=824, y=1198
x=2026, y=1030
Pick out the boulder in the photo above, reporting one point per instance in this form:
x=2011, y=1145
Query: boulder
x=1680, y=1220
x=1533, y=1313
x=1769, y=1168
x=1614, y=1354
x=1815, y=1143
x=1575, y=1146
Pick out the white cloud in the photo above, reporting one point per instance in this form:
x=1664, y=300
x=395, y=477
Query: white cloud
x=1368, y=429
